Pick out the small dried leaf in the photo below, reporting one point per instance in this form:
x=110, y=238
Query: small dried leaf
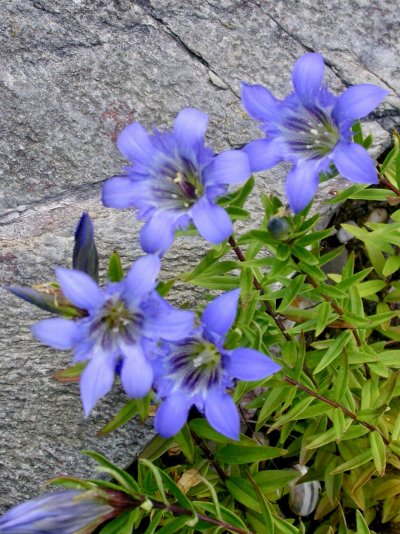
x=188, y=480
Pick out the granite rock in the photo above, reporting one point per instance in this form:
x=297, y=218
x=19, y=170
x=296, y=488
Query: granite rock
x=72, y=74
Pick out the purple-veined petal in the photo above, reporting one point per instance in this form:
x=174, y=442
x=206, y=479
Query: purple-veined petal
x=189, y=129
x=307, y=76
x=263, y=154
x=211, y=221
x=58, y=333
x=222, y=414
x=157, y=235
x=119, y=192
x=249, y=364
x=229, y=167
x=302, y=184
x=354, y=163
x=80, y=288
x=135, y=144
x=171, y=415
x=220, y=314
x=96, y=380
x=136, y=372
x=141, y=278
x=171, y=325
x=259, y=102
x=358, y=101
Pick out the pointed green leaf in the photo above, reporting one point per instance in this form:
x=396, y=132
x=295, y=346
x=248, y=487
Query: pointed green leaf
x=239, y=454
x=127, y=412
x=378, y=450
x=115, y=272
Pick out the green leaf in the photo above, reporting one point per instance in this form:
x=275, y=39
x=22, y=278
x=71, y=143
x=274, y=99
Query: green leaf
x=71, y=483
x=272, y=480
x=155, y=521
x=127, y=412
x=324, y=317
x=378, y=450
x=123, y=524
x=362, y=527
x=227, y=515
x=185, y=440
x=391, y=266
x=70, y=373
x=115, y=272
x=291, y=291
x=376, y=257
x=174, y=525
x=203, y=430
x=239, y=454
x=322, y=439
x=243, y=492
x=124, y=478
x=304, y=255
x=264, y=508
x=371, y=287
x=335, y=349
x=294, y=413
x=353, y=463
x=156, y=448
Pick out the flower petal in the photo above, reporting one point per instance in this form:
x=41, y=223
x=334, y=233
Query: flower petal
x=307, y=76
x=136, y=372
x=135, y=144
x=171, y=415
x=229, y=167
x=222, y=414
x=358, y=101
x=118, y=193
x=157, y=235
x=249, y=364
x=96, y=380
x=220, y=314
x=354, y=163
x=58, y=333
x=211, y=221
x=189, y=129
x=258, y=102
x=171, y=325
x=302, y=184
x=80, y=288
x=141, y=278
x=263, y=154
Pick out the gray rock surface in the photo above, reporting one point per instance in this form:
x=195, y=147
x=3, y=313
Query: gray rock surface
x=72, y=74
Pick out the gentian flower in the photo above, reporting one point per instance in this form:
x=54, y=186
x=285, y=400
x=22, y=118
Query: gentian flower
x=311, y=128
x=197, y=370
x=123, y=322
x=62, y=512
x=175, y=180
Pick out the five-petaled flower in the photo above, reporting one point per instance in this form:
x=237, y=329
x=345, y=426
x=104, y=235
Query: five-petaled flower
x=197, y=370
x=175, y=180
x=123, y=323
x=311, y=128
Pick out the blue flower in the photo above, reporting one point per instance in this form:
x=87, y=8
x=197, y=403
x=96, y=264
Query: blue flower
x=311, y=128
x=175, y=180
x=63, y=512
x=197, y=370
x=123, y=323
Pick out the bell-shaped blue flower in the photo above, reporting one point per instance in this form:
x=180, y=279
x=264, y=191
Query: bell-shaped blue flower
x=311, y=129
x=175, y=180
x=197, y=370
x=123, y=322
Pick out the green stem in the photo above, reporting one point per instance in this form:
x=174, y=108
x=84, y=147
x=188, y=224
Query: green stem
x=268, y=308
x=335, y=404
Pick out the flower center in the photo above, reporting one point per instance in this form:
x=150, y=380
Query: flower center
x=115, y=322
x=195, y=365
x=310, y=132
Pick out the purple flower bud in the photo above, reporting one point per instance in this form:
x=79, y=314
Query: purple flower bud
x=64, y=512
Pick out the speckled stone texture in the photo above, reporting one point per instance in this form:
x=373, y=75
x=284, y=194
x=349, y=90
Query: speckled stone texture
x=72, y=74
